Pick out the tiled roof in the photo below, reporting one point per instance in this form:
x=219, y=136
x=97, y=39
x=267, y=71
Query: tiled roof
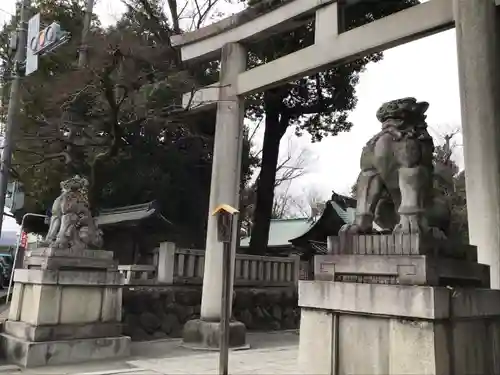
x=349, y=215
x=346, y=215
x=127, y=213
x=281, y=231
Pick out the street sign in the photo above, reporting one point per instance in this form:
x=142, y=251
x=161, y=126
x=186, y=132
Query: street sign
x=47, y=39
x=225, y=215
x=31, y=57
x=42, y=41
x=14, y=198
x=24, y=240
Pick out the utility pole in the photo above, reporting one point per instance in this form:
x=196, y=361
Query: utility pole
x=14, y=103
x=83, y=53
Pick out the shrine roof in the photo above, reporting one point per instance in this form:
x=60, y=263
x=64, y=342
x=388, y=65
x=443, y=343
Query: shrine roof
x=281, y=231
x=128, y=214
x=286, y=232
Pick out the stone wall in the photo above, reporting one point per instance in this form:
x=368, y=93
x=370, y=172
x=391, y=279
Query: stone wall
x=152, y=313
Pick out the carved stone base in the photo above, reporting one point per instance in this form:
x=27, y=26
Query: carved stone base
x=399, y=244
x=66, y=308
x=35, y=353
x=30, y=332
x=401, y=269
x=350, y=328
x=54, y=258
x=199, y=334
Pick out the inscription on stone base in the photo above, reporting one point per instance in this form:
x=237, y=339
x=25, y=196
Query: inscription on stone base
x=399, y=244
x=400, y=269
x=55, y=258
x=366, y=279
x=70, y=253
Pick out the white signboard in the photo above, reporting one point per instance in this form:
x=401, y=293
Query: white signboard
x=31, y=56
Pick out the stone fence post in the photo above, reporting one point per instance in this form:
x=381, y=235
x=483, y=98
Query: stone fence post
x=166, y=263
x=296, y=269
x=155, y=256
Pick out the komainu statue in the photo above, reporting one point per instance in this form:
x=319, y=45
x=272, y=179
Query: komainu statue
x=72, y=225
x=395, y=186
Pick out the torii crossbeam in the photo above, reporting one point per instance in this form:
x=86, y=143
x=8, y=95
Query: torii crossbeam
x=476, y=30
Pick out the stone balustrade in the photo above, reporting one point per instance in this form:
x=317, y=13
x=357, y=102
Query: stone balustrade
x=176, y=266
x=265, y=270
x=138, y=274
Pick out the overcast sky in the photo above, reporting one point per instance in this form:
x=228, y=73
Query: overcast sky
x=426, y=69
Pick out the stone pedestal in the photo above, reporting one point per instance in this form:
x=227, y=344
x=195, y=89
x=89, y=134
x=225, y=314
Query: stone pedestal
x=400, y=244
x=398, y=304
x=200, y=334
x=66, y=307
x=355, y=328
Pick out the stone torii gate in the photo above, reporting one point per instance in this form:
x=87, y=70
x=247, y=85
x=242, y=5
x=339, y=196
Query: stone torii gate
x=475, y=23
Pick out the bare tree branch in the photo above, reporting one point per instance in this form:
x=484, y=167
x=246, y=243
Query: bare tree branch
x=46, y=158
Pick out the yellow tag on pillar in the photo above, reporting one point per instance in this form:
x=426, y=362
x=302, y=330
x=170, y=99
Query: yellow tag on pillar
x=225, y=208
x=225, y=214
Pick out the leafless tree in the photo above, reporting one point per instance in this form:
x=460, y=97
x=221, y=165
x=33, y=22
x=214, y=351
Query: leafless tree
x=111, y=83
x=283, y=205
x=310, y=203
x=445, y=168
x=293, y=164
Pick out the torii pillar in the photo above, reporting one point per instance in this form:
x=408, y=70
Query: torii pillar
x=224, y=189
x=476, y=32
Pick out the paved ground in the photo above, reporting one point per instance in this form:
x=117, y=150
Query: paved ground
x=270, y=354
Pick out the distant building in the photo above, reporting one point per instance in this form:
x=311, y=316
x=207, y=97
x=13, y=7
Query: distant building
x=308, y=236
x=133, y=232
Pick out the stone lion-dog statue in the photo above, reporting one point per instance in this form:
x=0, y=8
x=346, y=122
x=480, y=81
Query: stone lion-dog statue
x=71, y=224
x=395, y=185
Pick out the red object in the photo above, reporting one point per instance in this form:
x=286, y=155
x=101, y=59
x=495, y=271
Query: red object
x=24, y=240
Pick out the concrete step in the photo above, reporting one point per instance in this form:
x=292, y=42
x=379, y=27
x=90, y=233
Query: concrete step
x=9, y=369
x=131, y=371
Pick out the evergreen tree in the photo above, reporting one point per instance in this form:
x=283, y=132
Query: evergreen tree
x=318, y=105
x=130, y=135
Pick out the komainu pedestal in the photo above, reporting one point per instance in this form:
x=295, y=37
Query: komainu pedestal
x=406, y=259
x=67, y=301
x=398, y=304
x=408, y=300
x=65, y=308
x=380, y=329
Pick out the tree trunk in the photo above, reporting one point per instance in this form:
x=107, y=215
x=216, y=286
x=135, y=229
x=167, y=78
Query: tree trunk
x=276, y=125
